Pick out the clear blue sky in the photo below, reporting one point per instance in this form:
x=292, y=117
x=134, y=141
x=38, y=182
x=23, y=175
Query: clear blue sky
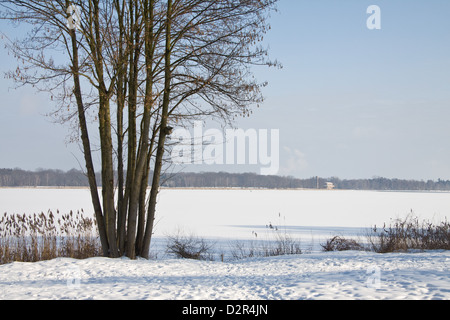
x=350, y=102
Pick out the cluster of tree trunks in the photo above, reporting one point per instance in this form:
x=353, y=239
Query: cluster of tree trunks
x=133, y=69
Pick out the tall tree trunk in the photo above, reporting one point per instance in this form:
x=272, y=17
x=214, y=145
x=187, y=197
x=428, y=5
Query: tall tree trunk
x=121, y=218
x=142, y=154
x=87, y=147
x=162, y=136
x=134, y=182
x=105, y=138
x=121, y=96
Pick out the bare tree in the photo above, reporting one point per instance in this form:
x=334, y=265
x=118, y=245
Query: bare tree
x=137, y=68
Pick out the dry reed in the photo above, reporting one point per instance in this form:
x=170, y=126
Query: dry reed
x=37, y=237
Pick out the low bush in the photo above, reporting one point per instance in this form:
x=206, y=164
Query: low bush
x=339, y=243
x=189, y=247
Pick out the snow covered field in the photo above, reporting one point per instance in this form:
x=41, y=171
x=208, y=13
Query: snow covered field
x=226, y=215
x=344, y=275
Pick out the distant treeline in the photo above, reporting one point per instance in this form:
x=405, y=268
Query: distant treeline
x=43, y=178
x=76, y=178
x=251, y=180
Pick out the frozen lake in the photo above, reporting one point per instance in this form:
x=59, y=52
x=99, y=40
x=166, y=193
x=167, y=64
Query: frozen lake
x=311, y=215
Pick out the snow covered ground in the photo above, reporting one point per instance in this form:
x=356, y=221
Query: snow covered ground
x=324, y=276
x=229, y=215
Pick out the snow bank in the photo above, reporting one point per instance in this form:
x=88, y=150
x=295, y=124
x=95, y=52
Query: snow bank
x=338, y=275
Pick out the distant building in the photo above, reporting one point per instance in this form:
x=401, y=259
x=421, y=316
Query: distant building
x=329, y=185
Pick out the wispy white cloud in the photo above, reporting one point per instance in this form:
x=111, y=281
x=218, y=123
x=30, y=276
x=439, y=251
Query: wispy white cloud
x=295, y=161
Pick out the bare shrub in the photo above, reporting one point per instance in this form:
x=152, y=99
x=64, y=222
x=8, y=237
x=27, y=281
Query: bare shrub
x=338, y=243
x=285, y=244
x=189, y=247
x=242, y=250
